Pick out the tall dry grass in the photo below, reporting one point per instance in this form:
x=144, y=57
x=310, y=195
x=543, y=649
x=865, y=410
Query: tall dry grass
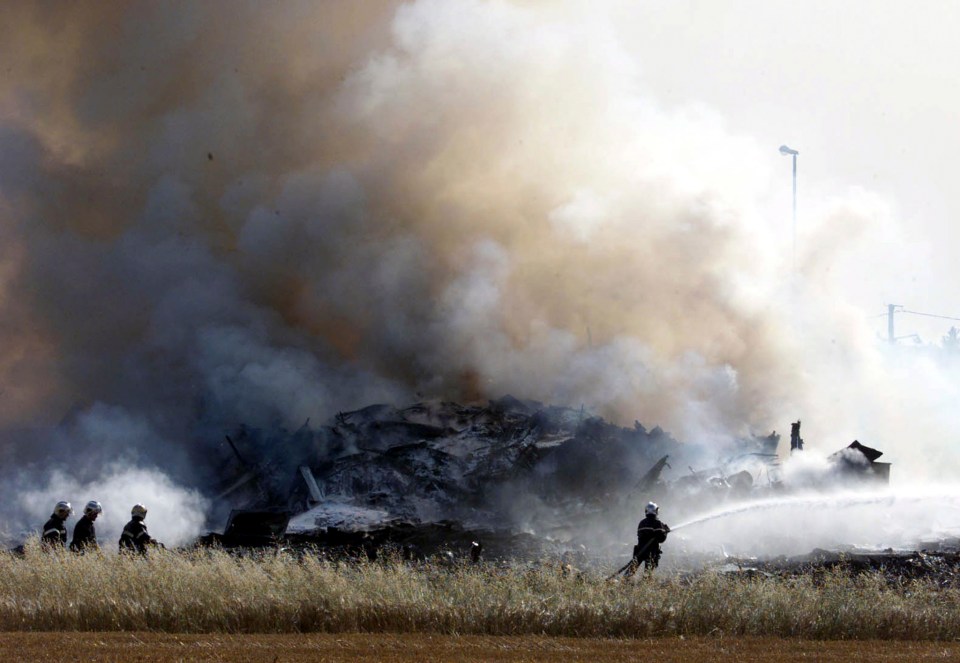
x=214, y=592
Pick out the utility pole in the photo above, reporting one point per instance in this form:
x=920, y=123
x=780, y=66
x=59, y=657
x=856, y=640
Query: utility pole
x=784, y=150
x=891, y=309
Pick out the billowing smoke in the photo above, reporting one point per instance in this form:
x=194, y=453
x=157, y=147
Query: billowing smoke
x=178, y=512
x=218, y=213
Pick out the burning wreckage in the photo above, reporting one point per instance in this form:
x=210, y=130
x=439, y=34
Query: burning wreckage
x=514, y=478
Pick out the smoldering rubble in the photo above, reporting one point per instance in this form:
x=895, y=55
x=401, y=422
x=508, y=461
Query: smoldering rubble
x=272, y=214
x=516, y=476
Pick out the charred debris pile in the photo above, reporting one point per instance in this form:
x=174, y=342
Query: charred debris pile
x=523, y=478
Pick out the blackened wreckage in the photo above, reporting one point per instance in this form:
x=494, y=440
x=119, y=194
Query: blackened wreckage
x=524, y=478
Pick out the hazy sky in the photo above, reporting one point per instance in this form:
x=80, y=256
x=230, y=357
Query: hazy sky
x=866, y=91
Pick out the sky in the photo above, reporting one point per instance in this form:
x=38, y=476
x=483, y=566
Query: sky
x=864, y=90
x=224, y=213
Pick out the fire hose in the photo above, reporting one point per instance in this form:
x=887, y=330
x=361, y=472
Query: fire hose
x=637, y=556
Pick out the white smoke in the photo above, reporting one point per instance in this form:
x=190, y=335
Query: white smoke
x=270, y=215
x=175, y=516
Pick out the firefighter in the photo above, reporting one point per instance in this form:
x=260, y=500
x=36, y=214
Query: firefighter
x=85, y=532
x=476, y=552
x=651, y=532
x=54, y=536
x=135, y=537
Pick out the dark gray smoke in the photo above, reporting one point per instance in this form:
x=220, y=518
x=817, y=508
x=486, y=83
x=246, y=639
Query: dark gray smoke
x=221, y=213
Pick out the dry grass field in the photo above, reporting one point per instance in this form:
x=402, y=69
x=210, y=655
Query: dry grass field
x=392, y=648
x=214, y=593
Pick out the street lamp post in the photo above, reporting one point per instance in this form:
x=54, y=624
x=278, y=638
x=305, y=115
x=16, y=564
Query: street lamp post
x=784, y=150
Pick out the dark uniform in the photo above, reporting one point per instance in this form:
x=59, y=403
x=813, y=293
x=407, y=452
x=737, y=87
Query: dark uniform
x=650, y=534
x=55, y=533
x=135, y=537
x=84, y=536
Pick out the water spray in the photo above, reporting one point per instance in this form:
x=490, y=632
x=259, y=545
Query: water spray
x=903, y=519
x=800, y=501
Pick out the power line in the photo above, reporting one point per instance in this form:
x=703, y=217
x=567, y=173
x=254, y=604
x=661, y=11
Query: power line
x=929, y=315
x=896, y=308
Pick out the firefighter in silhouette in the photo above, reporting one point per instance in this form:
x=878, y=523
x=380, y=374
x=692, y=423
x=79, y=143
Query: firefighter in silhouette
x=54, y=536
x=85, y=532
x=651, y=532
x=135, y=537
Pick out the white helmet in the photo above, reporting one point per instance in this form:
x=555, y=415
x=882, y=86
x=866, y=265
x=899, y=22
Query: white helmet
x=62, y=510
x=93, y=507
x=651, y=509
x=139, y=511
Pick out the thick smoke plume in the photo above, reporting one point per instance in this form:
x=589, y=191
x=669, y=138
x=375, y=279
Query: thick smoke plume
x=216, y=213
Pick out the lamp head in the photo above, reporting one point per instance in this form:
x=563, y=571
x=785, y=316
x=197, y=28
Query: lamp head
x=784, y=150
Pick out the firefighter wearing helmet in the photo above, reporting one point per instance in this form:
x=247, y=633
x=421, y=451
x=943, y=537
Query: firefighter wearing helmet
x=651, y=532
x=135, y=537
x=84, y=532
x=54, y=536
